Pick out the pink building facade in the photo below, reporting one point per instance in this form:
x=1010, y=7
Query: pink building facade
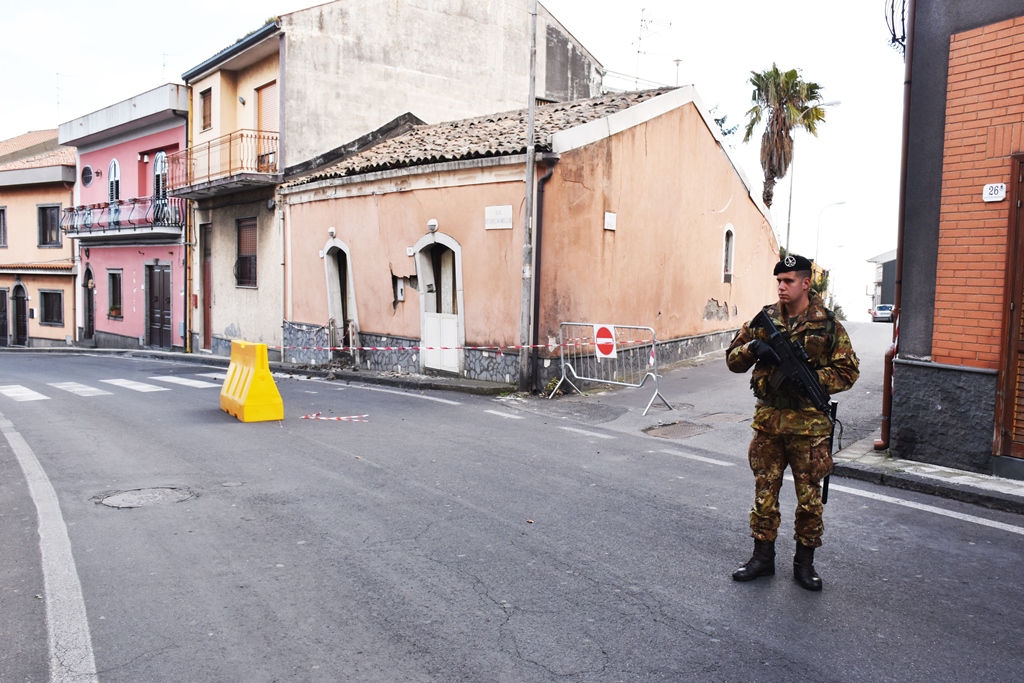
x=131, y=235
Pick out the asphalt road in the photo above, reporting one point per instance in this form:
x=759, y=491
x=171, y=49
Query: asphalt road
x=464, y=538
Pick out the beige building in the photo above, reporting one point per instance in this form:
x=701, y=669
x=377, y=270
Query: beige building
x=303, y=90
x=37, y=265
x=642, y=219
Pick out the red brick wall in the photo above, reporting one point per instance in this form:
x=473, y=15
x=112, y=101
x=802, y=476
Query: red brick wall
x=984, y=126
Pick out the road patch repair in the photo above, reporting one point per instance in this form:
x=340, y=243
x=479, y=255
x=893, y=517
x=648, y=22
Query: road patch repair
x=677, y=430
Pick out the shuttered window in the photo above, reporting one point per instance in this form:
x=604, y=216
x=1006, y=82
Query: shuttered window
x=245, y=265
x=267, y=104
x=206, y=99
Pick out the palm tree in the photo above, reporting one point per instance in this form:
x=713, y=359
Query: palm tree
x=786, y=101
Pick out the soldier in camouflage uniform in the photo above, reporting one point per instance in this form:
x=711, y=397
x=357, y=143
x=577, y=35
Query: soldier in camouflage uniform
x=788, y=430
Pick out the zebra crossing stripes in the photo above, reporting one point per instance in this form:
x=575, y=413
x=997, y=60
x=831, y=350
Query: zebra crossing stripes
x=20, y=393
x=79, y=389
x=186, y=382
x=134, y=386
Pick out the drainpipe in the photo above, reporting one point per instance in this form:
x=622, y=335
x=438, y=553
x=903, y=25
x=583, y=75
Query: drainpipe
x=890, y=355
x=551, y=160
x=186, y=240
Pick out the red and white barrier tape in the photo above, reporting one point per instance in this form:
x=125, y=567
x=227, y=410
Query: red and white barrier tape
x=348, y=418
x=497, y=349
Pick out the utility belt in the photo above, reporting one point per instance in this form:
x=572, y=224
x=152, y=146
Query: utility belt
x=786, y=403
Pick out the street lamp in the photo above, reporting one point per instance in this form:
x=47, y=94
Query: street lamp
x=792, y=168
x=817, y=235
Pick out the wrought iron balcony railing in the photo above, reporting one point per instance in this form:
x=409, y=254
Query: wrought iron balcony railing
x=241, y=152
x=129, y=215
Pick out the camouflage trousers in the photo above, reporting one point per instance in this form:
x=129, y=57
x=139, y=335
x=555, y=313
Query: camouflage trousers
x=809, y=460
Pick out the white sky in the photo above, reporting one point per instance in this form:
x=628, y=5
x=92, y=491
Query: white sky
x=61, y=59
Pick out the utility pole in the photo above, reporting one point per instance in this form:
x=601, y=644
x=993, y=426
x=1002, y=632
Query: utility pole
x=525, y=304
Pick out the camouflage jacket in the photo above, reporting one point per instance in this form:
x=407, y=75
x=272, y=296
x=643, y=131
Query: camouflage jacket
x=784, y=410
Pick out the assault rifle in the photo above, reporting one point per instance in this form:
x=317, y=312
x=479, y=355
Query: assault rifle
x=795, y=366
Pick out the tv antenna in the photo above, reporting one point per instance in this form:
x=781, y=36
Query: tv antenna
x=647, y=27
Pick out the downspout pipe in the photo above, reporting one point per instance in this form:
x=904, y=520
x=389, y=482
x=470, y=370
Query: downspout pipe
x=186, y=241
x=890, y=355
x=551, y=160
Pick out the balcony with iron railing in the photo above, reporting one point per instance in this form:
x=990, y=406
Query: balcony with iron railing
x=245, y=159
x=137, y=218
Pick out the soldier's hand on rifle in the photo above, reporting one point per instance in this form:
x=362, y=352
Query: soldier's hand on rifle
x=763, y=352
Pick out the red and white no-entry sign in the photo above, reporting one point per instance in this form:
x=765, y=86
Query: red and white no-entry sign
x=604, y=340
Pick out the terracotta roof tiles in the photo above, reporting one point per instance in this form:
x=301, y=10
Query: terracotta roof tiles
x=62, y=156
x=35, y=137
x=484, y=136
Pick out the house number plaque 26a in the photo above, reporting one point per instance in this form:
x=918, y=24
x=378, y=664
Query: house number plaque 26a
x=994, y=192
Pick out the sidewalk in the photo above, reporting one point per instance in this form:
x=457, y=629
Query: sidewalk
x=861, y=461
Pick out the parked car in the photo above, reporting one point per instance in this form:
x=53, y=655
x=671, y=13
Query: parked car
x=882, y=313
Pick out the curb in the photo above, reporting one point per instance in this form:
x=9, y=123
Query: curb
x=913, y=482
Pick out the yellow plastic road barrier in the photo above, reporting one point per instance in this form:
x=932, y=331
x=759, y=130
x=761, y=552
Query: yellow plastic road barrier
x=249, y=392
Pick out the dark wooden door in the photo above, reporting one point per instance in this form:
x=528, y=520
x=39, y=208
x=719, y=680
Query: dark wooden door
x=160, y=306
x=1010, y=400
x=3, y=318
x=20, y=317
x=90, y=305
x=207, y=233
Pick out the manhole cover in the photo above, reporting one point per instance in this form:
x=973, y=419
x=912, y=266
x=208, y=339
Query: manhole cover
x=724, y=417
x=143, y=497
x=678, y=430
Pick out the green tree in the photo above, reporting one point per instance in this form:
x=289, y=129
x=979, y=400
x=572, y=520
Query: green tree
x=784, y=100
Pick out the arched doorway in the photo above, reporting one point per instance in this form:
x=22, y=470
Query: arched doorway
x=341, y=301
x=89, y=299
x=439, y=271
x=20, y=316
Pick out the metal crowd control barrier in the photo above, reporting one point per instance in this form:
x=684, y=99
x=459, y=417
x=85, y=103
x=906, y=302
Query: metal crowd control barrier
x=610, y=354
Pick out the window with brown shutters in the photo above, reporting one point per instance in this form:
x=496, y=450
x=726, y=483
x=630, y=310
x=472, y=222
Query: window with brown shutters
x=206, y=97
x=245, y=265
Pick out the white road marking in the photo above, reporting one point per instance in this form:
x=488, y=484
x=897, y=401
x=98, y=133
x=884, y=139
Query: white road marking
x=699, y=458
x=134, y=386
x=186, y=382
x=79, y=389
x=213, y=375
x=584, y=431
x=510, y=416
x=928, y=508
x=70, y=642
x=406, y=393
x=20, y=393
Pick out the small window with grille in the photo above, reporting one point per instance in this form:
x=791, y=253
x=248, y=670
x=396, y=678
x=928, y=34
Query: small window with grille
x=114, y=294
x=245, y=265
x=52, y=307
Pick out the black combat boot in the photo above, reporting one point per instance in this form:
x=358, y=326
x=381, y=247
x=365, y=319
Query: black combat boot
x=761, y=563
x=803, y=568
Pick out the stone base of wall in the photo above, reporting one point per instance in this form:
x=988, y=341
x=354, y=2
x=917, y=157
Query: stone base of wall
x=400, y=358
x=39, y=343
x=491, y=366
x=943, y=415
x=107, y=340
x=219, y=346
x=306, y=344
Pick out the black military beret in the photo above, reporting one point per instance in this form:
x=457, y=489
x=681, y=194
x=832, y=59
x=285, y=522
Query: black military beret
x=792, y=263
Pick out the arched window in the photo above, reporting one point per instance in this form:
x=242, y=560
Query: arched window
x=728, y=252
x=114, y=181
x=160, y=176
